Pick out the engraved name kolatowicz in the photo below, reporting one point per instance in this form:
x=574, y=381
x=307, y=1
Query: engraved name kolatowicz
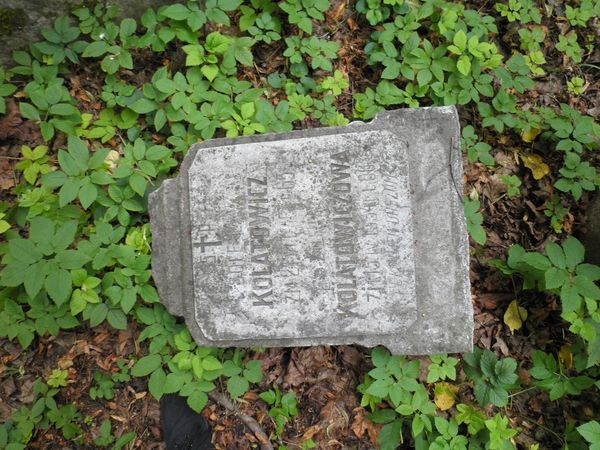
x=340, y=235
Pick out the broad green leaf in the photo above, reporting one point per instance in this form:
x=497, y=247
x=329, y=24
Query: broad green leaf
x=173, y=383
x=460, y=39
x=380, y=356
x=35, y=278
x=87, y=194
x=63, y=109
x=464, y=65
x=79, y=151
x=197, y=400
x=165, y=86
x=554, y=278
x=590, y=432
x=156, y=383
x=556, y=255
x=574, y=252
x=537, y=260
x=24, y=250
x=389, y=437
x=29, y=111
x=69, y=191
x=176, y=12
x=54, y=179
x=383, y=416
x=210, y=71
x=42, y=230
x=146, y=365
x=58, y=284
x=143, y=106
x=95, y=49
x=237, y=386
x=14, y=274
x=211, y=363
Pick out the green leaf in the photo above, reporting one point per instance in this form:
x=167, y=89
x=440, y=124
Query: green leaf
x=64, y=235
x=380, y=356
x=138, y=183
x=87, y=195
x=197, y=400
x=176, y=12
x=68, y=192
x=165, y=86
x=63, y=109
x=71, y=259
x=554, y=278
x=464, y=65
x=24, y=250
x=146, y=365
x=79, y=151
x=156, y=383
x=574, y=252
x=157, y=152
x=173, y=383
x=389, y=437
x=29, y=111
x=143, y=106
x=460, y=39
x=210, y=71
x=237, y=386
x=211, y=363
x=58, y=285
x=383, y=416
x=590, y=432
x=54, y=179
x=35, y=278
x=14, y=274
x=537, y=260
x=556, y=255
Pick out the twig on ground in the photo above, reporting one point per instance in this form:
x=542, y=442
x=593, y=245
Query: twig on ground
x=249, y=421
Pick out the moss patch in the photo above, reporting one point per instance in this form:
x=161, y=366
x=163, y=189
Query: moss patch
x=12, y=19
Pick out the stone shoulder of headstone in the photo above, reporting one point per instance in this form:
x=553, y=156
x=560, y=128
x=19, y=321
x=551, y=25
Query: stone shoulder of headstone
x=341, y=235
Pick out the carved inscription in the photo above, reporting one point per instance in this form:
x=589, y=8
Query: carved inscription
x=344, y=231
x=311, y=242
x=258, y=213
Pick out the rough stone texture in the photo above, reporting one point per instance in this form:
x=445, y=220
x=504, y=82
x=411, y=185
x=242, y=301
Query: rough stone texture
x=339, y=235
x=21, y=21
x=591, y=239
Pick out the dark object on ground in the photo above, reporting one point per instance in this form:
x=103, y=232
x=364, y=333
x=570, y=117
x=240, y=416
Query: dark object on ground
x=591, y=240
x=182, y=427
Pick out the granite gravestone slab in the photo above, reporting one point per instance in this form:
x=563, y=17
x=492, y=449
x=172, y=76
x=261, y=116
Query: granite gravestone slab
x=338, y=235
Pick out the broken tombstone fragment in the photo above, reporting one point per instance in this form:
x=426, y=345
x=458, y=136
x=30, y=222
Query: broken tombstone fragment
x=340, y=235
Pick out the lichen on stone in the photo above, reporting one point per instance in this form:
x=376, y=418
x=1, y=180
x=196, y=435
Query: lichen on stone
x=12, y=19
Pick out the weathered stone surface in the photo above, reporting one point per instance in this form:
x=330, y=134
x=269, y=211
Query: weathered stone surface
x=338, y=235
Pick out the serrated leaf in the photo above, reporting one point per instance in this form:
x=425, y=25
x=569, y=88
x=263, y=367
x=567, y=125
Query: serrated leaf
x=211, y=363
x=237, y=386
x=58, y=285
